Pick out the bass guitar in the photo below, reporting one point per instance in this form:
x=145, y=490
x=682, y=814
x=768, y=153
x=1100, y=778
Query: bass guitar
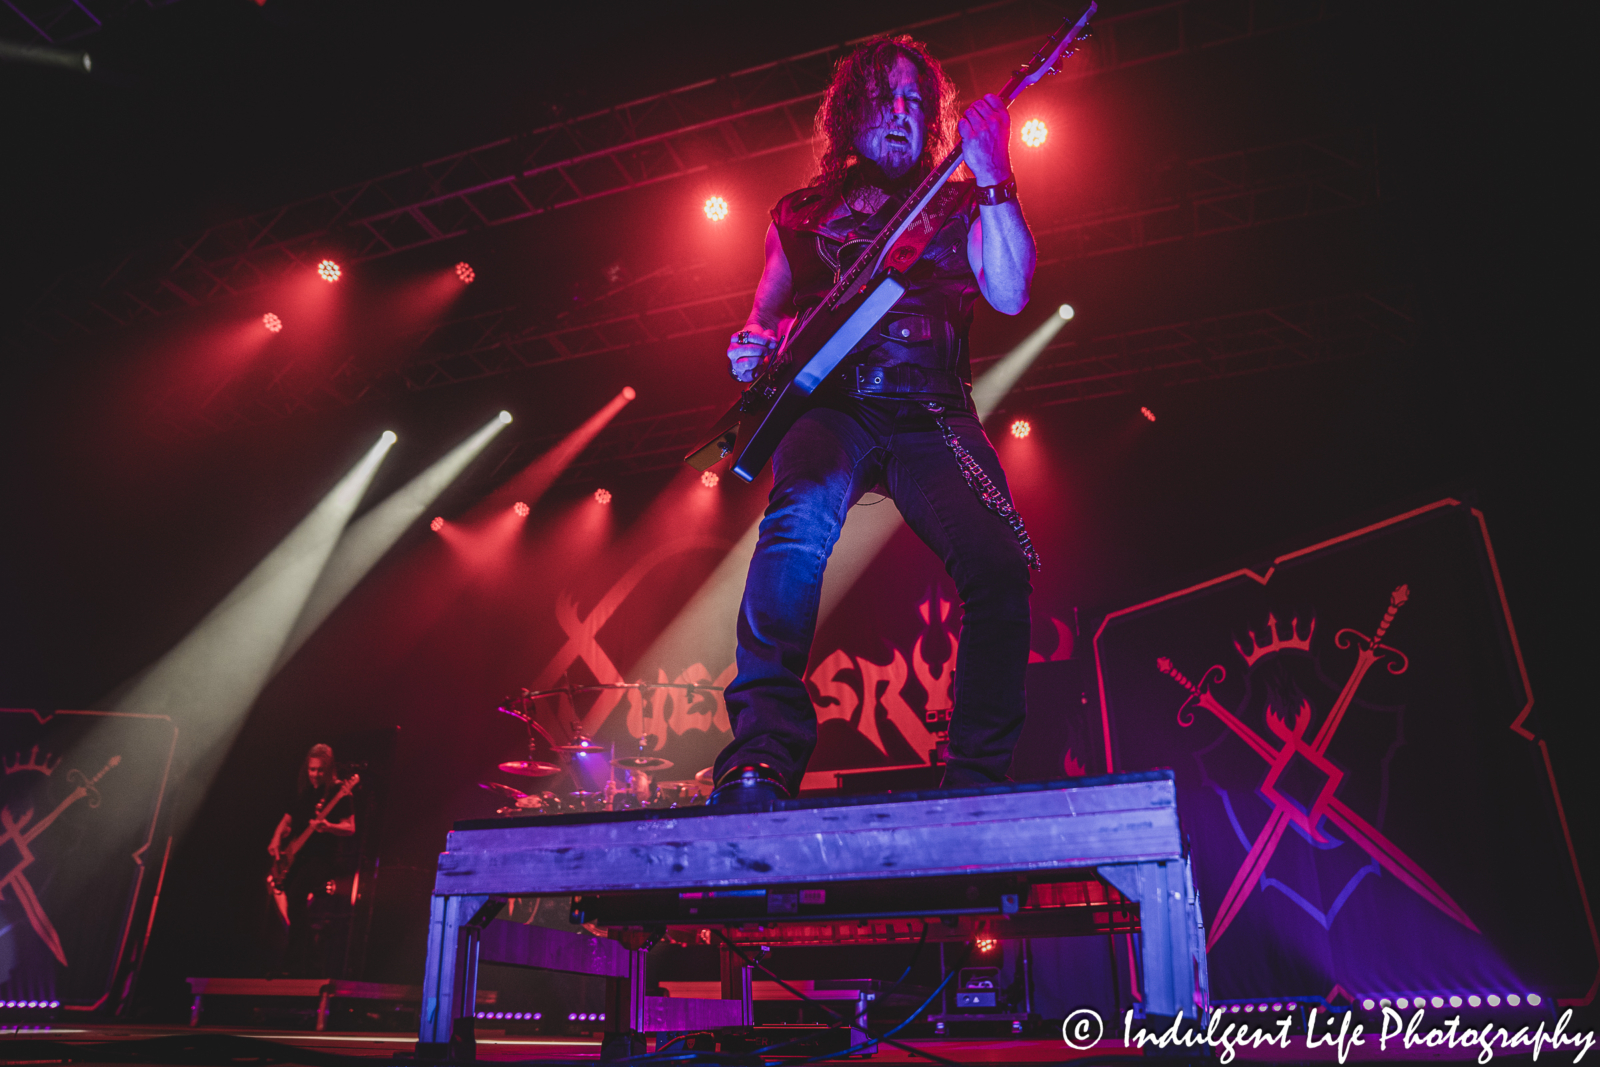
x=286, y=853
x=820, y=339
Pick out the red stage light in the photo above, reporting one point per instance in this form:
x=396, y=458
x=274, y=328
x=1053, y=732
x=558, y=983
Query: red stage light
x=716, y=209
x=328, y=270
x=437, y=524
x=1021, y=428
x=709, y=479
x=272, y=322
x=464, y=272
x=628, y=392
x=1034, y=133
x=1147, y=413
x=521, y=509
x=602, y=496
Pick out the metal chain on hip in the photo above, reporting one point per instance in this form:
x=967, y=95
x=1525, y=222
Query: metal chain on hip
x=979, y=482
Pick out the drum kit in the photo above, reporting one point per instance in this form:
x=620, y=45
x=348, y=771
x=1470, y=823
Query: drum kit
x=602, y=780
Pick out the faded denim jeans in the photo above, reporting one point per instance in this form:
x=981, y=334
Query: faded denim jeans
x=828, y=460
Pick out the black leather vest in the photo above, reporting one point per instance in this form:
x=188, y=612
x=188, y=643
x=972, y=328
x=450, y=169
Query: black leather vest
x=920, y=347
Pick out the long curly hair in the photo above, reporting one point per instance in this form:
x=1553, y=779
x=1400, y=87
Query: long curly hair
x=861, y=79
x=325, y=754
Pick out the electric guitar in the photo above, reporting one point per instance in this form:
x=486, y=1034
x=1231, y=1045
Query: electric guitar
x=820, y=339
x=286, y=854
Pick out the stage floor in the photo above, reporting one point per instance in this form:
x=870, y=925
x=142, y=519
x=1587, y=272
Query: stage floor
x=391, y=1047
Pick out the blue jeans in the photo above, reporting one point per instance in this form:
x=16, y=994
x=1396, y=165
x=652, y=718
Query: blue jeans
x=833, y=455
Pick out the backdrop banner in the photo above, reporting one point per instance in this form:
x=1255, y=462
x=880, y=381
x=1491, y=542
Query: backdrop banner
x=1356, y=754
x=79, y=801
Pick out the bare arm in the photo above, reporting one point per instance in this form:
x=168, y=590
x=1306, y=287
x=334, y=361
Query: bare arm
x=277, y=836
x=1000, y=246
x=343, y=828
x=772, y=304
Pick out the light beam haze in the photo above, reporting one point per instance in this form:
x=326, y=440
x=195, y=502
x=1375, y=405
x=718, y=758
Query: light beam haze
x=369, y=537
x=209, y=679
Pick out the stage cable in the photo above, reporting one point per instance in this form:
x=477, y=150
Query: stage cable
x=840, y=1021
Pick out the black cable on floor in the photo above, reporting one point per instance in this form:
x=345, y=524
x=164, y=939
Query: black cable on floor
x=840, y=1020
x=907, y=1021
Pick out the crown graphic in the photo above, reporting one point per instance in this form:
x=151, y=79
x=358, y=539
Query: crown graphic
x=16, y=765
x=1278, y=644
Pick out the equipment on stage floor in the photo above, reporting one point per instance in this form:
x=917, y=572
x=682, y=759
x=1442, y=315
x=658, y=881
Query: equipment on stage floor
x=642, y=763
x=528, y=768
x=1087, y=856
x=825, y=334
x=594, y=788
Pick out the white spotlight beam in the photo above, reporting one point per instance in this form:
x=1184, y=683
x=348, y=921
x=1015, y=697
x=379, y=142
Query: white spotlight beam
x=208, y=680
x=365, y=542
x=703, y=630
x=993, y=384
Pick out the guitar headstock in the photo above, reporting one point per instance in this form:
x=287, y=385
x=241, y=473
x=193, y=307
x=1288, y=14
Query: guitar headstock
x=350, y=784
x=1057, y=47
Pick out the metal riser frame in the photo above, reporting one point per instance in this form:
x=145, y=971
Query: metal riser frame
x=1125, y=827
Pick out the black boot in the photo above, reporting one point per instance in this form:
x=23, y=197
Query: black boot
x=753, y=785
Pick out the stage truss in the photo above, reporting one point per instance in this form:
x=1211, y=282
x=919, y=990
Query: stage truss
x=719, y=122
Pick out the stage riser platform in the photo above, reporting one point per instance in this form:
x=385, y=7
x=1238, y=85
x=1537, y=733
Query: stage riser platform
x=966, y=848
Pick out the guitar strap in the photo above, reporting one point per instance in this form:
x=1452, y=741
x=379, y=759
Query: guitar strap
x=911, y=244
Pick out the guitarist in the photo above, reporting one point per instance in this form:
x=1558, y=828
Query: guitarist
x=315, y=864
x=896, y=415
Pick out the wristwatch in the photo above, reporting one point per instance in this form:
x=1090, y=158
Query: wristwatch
x=1004, y=193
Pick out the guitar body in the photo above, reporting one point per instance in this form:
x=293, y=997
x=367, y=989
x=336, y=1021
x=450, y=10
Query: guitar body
x=280, y=866
x=752, y=428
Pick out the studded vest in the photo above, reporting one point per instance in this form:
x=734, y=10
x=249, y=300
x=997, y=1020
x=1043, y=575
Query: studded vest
x=920, y=347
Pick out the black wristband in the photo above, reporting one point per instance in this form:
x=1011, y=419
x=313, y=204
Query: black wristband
x=1004, y=193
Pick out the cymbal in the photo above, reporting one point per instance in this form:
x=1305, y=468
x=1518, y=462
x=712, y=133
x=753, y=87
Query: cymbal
x=642, y=763
x=583, y=745
x=528, y=768
x=705, y=776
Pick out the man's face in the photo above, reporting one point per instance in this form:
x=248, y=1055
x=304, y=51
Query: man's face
x=893, y=134
x=317, y=771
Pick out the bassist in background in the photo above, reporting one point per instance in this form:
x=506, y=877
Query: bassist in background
x=896, y=414
x=315, y=864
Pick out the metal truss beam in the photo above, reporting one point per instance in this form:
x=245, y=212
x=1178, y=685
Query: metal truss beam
x=1237, y=190
x=719, y=122
x=1227, y=346
x=637, y=446
x=1136, y=362
x=57, y=22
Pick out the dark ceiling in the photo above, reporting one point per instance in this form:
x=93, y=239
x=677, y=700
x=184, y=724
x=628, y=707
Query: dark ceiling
x=118, y=536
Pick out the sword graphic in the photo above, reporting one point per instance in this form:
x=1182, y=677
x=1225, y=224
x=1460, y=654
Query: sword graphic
x=1370, y=840
x=1364, y=661
x=21, y=834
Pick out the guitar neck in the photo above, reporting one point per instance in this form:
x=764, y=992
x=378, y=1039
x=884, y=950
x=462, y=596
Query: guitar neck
x=321, y=813
x=873, y=254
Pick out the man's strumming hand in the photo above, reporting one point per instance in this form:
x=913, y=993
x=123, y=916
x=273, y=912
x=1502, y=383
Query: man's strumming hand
x=747, y=349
